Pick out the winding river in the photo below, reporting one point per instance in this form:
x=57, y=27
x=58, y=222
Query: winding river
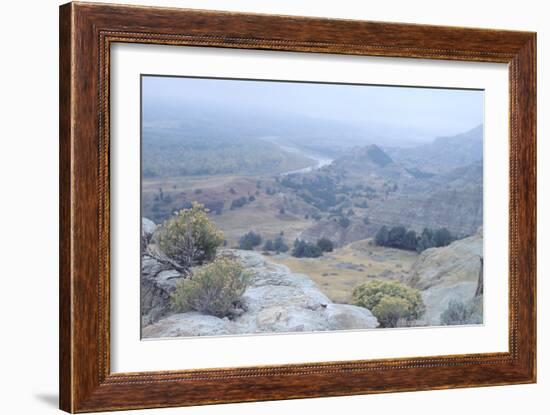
x=317, y=159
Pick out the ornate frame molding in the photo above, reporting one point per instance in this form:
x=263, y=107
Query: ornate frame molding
x=86, y=34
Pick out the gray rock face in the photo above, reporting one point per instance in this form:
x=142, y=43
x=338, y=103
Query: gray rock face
x=444, y=274
x=148, y=227
x=349, y=316
x=277, y=300
x=188, y=324
x=157, y=283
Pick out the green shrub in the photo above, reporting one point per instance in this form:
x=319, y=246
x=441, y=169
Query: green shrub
x=390, y=310
x=410, y=241
x=325, y=244
x=278, y=245
x=458, y=312
x=240, y=202
x=396, y=236
x=382, y=236
x=442, y=237
x=344, y=222
x=250, y=240
x=434, y=238
x=303, y=249
x=190, y=237
x=269, y=246
x=389, y=301
x=212, y=289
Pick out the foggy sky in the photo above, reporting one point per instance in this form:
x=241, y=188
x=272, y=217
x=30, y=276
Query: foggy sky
x=430, y=111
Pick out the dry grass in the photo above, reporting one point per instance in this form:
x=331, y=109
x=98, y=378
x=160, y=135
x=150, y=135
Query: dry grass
x=339, y=272
x=261, y=215
x=191, y=183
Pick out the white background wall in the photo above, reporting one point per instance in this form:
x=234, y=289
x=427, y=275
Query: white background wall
x=28, y=208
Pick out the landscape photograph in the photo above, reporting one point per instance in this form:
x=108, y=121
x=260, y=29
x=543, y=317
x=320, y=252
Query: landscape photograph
x=276, y=206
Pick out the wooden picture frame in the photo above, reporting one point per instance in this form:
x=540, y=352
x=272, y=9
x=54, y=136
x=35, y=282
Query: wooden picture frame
x=86, y=33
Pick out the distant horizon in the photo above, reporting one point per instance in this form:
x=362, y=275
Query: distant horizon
x=423, y=113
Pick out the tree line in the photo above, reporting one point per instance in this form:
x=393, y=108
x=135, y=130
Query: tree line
x=403, y=238
x=300, y=248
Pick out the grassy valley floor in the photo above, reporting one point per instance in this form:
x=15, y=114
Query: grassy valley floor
x=264, y=214
x=337, y=273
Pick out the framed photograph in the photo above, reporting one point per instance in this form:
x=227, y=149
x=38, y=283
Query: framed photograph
x=259, y=207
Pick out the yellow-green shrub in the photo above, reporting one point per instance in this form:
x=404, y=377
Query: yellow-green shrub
x=190, y=237
x=212, y=289
x=389, y=301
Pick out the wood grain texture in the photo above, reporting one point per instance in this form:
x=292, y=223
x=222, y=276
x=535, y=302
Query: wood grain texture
x=86, y=33
x=65, y=247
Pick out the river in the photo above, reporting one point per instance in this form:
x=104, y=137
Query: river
x=318, y=160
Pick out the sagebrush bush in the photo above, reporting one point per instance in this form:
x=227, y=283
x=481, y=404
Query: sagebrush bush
x=389, y=301
x=212, y=289
x=458, y=312
x=190, y=237
x=390, y=310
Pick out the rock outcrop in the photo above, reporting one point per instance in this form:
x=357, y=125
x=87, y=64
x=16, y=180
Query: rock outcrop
x=447, y=273
x=148, y=228
x=277, y=300
x=158, y=281
x=159, y=275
